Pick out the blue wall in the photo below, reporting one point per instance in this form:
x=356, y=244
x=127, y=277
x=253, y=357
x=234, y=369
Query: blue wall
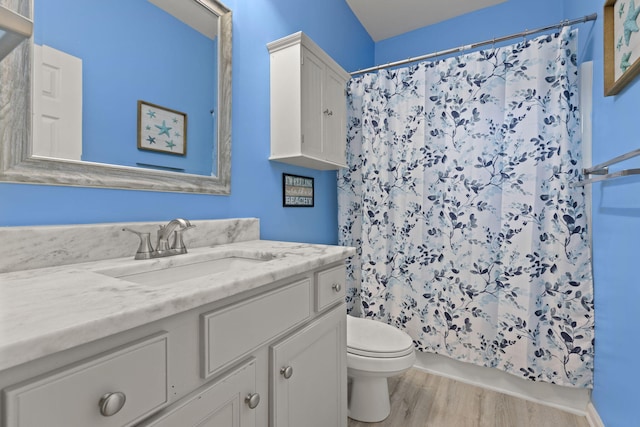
x=256, y=184
x=506, y=18
x=616, y=239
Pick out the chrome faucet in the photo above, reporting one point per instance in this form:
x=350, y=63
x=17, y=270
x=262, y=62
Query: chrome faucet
x=165, y=245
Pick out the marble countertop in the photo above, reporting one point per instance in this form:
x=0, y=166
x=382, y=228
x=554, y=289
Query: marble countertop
x=46, y=310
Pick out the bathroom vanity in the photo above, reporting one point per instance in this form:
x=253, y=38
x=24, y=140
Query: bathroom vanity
x=237, y=332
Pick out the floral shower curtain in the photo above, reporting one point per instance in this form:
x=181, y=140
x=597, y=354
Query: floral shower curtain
x=457, y=199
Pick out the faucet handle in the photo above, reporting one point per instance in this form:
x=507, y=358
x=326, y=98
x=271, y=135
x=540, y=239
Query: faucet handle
x=178, y=243
x=145, y=249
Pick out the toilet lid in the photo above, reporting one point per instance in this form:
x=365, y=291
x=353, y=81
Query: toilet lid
x=367, y=337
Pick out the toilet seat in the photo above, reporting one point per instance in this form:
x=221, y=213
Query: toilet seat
x=371, y=338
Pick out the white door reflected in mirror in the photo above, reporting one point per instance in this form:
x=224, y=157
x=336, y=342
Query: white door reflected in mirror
x=57, y=113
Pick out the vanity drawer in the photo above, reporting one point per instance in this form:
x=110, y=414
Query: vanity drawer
x=234, y=331
x=71, y=397
x=330, y=286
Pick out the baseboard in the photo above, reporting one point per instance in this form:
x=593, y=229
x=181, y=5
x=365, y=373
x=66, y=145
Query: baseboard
x=568, y=399
x=593, y=417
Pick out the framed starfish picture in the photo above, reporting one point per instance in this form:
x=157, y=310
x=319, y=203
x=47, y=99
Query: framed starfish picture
x=161, y=129
x=621, y=44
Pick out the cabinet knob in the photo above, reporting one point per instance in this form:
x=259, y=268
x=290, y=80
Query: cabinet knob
x=287, y=372
x=252, y=400
x=337, y=287
x=111, y=403
x=328, y=112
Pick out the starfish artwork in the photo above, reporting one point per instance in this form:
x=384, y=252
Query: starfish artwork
x=630, y=25
x=624, y=62
x=163, y=129
x=621, y=10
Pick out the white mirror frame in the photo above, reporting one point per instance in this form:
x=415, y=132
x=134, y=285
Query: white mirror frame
x=18, y=165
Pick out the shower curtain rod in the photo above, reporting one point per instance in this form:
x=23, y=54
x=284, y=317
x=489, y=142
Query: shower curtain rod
x=525, y=33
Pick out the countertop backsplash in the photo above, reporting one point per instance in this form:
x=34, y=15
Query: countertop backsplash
x=31, y=247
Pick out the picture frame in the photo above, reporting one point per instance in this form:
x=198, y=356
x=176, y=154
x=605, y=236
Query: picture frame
x=297, y=191
x=621, y=44
x=161, y=129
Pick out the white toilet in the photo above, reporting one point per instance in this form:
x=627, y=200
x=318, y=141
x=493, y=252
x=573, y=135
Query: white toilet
x=375, y=351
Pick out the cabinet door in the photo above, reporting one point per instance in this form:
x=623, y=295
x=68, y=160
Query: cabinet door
x=312, y=82
x=314, y=359
x=220, y=404
x=335, y=118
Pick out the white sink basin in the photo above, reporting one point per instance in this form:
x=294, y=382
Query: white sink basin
x=183, y=267
x=190, y=271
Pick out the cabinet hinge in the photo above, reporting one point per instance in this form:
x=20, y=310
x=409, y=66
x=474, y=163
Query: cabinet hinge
x=302, y=139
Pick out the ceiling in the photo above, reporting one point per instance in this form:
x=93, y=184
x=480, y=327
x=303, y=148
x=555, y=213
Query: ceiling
x=388, y=18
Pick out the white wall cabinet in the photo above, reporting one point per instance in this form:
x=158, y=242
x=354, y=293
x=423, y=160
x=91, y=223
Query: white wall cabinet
x=215, y=366
x=308, y=105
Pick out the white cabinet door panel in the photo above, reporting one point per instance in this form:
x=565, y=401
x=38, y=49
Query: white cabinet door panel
x=218, y=404
x=315, y=393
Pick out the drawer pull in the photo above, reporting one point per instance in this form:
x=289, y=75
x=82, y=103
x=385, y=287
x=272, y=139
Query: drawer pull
x=111, y=403
x=287, y=372
x=252, y=400
x=337, y=287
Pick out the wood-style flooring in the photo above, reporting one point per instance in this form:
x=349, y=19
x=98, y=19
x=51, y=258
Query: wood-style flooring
x=419, y=399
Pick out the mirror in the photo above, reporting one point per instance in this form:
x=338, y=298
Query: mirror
x=140, y=167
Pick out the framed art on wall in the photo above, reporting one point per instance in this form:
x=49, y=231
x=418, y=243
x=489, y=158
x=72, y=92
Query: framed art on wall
x=621, y=44
x=161, y=129
x=297, y=191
